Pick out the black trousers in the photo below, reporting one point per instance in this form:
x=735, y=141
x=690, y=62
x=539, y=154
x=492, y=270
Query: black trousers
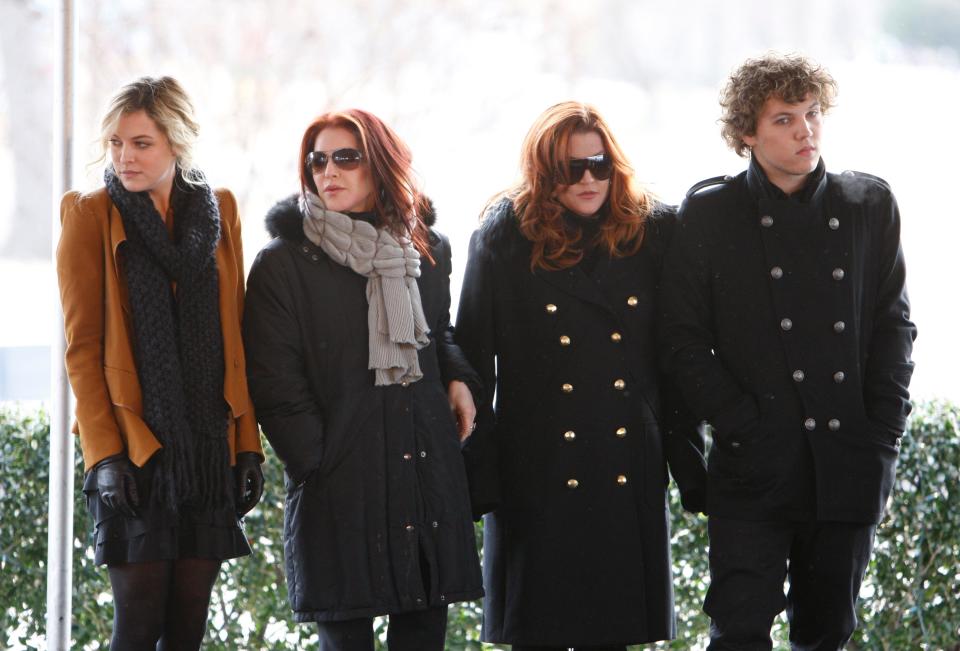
x=824, y=561
x=421, y=630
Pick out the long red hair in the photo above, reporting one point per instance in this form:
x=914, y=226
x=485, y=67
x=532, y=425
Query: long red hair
x=542, y=161
x=398, y=202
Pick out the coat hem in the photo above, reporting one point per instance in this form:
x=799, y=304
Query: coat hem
x=305, y=617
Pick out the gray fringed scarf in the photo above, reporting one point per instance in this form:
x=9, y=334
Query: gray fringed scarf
x=395, y=320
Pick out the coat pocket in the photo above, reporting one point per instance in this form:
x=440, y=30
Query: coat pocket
x=124, y=389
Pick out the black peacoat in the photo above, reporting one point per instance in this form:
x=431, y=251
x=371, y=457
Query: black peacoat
x=786, y=324
x=576, y=549
x=377, y=515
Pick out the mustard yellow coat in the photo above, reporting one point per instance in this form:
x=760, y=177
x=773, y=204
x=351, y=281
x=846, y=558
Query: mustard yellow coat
x=99, y=331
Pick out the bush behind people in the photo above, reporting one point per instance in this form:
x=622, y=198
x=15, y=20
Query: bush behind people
x=908, y=599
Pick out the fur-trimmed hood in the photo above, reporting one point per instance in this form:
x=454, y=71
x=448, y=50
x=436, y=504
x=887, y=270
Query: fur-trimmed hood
x=285, y=220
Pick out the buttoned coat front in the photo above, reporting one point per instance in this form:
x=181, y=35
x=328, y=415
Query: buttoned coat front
x=787, y=326
x=377, y=514
x=576, y=548
x=99, y=331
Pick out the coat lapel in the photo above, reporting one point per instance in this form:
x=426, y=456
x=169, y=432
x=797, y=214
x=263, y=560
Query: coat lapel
x=118, y=235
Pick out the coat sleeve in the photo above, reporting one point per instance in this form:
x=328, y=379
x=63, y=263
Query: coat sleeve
x=81, y=272
x=683, y=440
x=888, y=366
x=453, y=363
x=685, y=331
x=476, y=337
x=248, y=435
x=286, y=407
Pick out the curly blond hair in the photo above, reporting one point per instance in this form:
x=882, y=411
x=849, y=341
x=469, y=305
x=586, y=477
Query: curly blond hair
x=789, y=77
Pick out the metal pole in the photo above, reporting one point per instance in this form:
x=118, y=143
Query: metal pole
x=60, y=514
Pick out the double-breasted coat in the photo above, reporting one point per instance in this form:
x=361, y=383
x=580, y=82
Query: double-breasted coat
x=576, y=549
x=786, y=324
x=377, y=514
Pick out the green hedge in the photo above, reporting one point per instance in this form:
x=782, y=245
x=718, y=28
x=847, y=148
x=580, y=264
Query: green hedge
x=909, y=599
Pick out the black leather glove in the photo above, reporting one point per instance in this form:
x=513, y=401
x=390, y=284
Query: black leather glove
x=118, y=485
x=249, y=481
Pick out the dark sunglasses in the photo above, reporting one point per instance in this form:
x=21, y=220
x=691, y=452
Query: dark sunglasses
x=346, y=159
x=600, y=166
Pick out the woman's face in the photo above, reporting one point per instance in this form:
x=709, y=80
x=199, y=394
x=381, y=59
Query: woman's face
x=142, y=156
x=585, y=196
x=342, y=190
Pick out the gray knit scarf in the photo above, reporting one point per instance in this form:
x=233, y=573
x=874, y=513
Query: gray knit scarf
x=395, y=320
x=177, y=340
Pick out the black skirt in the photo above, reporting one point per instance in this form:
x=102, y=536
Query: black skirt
x=158, y=533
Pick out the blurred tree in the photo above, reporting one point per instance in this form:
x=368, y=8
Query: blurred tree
x=25, y=67
x=926, y=23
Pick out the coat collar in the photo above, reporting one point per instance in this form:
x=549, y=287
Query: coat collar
x=760, y=186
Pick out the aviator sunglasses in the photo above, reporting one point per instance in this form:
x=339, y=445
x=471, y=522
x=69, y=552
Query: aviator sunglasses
x=600, y=166
x=346, y=159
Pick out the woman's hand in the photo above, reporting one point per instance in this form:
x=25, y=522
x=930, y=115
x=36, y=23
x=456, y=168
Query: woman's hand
x=249, y=478
x=461, y=404
x=118, y=485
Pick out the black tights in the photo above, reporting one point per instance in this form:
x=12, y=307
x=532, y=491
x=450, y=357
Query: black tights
x=161, y=605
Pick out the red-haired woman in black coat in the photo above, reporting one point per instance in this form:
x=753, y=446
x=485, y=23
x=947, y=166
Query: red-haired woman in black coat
x=353, y=371
x=557, y=315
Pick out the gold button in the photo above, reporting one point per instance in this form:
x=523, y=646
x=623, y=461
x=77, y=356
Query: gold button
x=621, y=432
x=619, y=385
x=564, y=340
x=569, y=435
x=632, y=301
x=615, y=337
x=572, y=483
x=622, y=480
x=567, y=387
x=550, y=308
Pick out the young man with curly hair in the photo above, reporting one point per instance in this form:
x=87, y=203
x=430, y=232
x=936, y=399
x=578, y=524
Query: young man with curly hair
x=785, y=321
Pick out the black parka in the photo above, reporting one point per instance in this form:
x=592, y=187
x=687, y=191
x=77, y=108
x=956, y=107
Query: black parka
x=576, y=549
x=787, y=326
x=377, y=515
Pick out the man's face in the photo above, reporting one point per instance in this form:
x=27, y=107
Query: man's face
x=787, y=141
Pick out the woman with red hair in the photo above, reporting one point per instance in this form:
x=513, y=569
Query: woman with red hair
x=557, y=315
x=357, y=383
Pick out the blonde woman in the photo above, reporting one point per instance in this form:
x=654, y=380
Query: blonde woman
x=151, y=279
